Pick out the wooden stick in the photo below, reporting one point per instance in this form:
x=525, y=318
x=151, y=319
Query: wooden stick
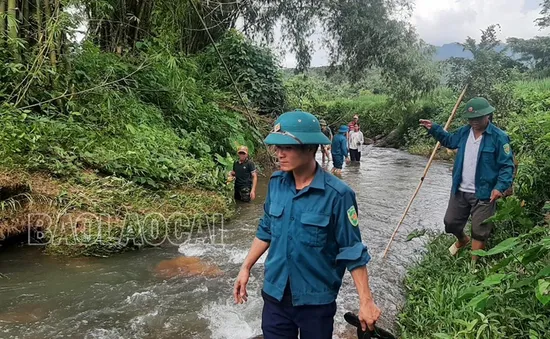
x=451, y=117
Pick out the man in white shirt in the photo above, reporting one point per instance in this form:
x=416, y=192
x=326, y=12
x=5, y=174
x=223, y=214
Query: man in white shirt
x=355, y=141
x=482, y=173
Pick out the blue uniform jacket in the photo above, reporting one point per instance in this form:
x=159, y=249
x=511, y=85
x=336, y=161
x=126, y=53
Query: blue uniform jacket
x=313, y=236
x=495, y=165
x=339, y=145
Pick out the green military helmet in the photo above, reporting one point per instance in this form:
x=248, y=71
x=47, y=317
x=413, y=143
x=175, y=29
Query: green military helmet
x=343, y=129
x=477, y=107
x=297, y=128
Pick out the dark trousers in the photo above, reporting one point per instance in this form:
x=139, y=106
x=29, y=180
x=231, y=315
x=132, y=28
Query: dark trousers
x=283, y=322
x=463, y=205
x=354, y=154
x=242, y=193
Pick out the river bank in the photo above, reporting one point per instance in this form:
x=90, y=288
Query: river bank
x=125, y=296
x=92, y=215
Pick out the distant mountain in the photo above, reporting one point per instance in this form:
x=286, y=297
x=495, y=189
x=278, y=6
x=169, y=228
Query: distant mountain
x=448, y=51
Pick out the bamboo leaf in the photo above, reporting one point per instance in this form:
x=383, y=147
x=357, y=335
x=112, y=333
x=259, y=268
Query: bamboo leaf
x=504, y=246
x=542, y=291
x=480, y=330
x=494, y=279
x=544, y=273
x=480, y=301
x=442, y=336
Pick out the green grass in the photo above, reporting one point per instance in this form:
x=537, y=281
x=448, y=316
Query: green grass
x=451, y=297
x=533, y=85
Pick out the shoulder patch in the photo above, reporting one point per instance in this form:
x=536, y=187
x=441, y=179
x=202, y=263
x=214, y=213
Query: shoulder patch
x=352, y=216
x=506, y=148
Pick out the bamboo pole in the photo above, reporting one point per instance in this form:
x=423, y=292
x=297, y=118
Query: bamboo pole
x=39, y=22
x=13, y=28
x=2, y=19
x=49, y=31
x=25, y=21
x=12, y=19
x=451, y=117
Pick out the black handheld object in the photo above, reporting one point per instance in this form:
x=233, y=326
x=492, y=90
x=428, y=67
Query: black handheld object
x=353, y=320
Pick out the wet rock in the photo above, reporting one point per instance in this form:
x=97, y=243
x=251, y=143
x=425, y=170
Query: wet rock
x=186, y=267
x=368, y=141
x=24, y=314
x=391, y=140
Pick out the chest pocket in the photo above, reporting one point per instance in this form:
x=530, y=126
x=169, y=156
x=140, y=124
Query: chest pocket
x=276, y=214
x=488, y=154
x=314, y=229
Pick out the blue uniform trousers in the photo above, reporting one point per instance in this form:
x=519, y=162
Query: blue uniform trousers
x=282, y=322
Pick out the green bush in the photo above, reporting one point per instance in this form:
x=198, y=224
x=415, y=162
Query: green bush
x=148, y=118
x=254, y=69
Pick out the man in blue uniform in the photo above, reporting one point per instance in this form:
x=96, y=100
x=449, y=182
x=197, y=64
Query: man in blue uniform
x=339, y=150
x=483, y=172
x=310, y=226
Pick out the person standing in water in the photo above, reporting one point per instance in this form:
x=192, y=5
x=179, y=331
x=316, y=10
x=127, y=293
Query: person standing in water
x=352, y=124
x=245, y=176
x=482, y=173
x=356, y=140
x=325, y=149
x=339, y=150
x=310, y=226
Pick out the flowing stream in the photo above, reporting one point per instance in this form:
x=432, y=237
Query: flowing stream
x=125, y=297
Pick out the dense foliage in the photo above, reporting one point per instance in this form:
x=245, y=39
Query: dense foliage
x=158, y=94
x=147, y=119
x=253, y=69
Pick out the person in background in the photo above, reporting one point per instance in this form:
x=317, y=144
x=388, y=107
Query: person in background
x=356, y=140
x=245, y=176
x=339, y=150
x=325, y=149
x=351, y=125
x=483, y=172
x=311, y=228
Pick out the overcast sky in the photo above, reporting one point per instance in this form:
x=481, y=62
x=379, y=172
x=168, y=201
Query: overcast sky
x=445, y=21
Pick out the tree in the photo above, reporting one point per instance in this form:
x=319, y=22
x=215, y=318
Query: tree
x=255, y=71
x=535, y=52
x=117, y=25
x=361, y=34
x=544, y=20
x=487, y=70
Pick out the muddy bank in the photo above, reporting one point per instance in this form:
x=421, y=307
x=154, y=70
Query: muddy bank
x=99, y=216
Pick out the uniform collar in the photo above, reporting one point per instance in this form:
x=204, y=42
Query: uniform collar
x=489, y=130
x=318, y=181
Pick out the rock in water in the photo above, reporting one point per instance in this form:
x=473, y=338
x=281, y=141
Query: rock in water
x=186, y=267
x=391, y=140
x=23, y=314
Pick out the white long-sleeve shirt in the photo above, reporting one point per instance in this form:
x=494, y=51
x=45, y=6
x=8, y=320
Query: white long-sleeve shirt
x=356, y=140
